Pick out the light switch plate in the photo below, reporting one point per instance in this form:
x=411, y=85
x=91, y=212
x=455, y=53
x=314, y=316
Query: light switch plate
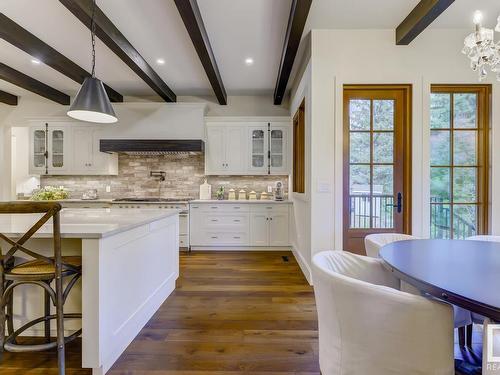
x=324, y=187
x=269, y=189
x=108, y=189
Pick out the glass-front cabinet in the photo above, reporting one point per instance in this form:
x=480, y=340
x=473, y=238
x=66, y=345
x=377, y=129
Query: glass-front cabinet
x=49, y=150
x=258, y=149
x=268, y=147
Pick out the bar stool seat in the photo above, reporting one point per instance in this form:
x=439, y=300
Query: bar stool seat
x=40, y=268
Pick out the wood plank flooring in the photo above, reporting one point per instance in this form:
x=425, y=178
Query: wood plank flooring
x=232, y=313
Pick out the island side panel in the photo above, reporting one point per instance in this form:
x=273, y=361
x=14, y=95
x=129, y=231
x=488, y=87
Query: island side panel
x=126, y=278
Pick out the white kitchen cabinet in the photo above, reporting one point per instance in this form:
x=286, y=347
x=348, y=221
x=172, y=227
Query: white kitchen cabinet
x=236, y=225
x=50, y=150
x=259, y=229
x=65, y=149
x=87, y=159
x=224, y=153
x=247, y=147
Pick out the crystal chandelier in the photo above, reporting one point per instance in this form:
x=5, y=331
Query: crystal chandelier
x=481, y=49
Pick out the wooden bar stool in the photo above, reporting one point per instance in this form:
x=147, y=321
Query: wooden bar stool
x=40, y=271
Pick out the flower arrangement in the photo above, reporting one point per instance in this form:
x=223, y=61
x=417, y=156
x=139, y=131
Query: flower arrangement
x=50, y=193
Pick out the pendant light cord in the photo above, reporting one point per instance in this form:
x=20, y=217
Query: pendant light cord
x=92, y=34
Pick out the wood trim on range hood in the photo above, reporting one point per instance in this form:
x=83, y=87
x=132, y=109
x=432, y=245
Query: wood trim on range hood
x=152, y=146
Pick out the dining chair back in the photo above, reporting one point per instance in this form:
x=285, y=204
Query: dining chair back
x=368, y=326
x=374, y=242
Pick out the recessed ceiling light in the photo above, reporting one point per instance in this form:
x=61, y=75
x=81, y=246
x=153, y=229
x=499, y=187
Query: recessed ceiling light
x=249, y=61
x=160, y=61
x=35, y=61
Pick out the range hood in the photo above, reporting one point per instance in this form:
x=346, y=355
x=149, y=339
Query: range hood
x=151, y=146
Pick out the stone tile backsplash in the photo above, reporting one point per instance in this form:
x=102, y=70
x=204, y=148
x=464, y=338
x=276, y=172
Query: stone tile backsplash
x=184, y=175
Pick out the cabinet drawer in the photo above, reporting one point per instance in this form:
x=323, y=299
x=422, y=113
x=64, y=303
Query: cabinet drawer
x=228, y=221
x=278, y=208
x=226, y=238
x=222, y=207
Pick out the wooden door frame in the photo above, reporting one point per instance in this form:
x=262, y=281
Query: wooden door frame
x=407, y=156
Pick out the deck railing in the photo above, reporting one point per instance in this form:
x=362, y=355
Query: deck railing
x=361, y=207
x=441, y=222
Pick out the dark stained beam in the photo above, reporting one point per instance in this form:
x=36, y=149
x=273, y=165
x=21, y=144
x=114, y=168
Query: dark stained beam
x=26, y=82
x=419, y=18
x=116, y=41
x=190, y=14
x=296, y=23
x=7, y=98
x=24, y=40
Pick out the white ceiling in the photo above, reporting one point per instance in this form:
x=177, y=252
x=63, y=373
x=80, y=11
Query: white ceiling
x=237, y=29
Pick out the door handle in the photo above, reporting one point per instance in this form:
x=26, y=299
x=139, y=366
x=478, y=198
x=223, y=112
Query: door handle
x=399, y=203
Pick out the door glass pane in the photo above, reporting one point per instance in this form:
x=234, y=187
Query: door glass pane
x=464, y=221
x=276, y=148
x=465, y=110
x=464, y=147
x=359, y=114
x=440, y=147
x=440, y=111
x=464, y=185
x=383, y=114
x=440, y=185
x=383, y=147
x=360, y=211
x=441, y=221
x=258, y=148
x=383, y=212
x=39, y=148
x=360, y=147
x=257, y=161
x=359, y=180
x=57, y=148
x=383, y=180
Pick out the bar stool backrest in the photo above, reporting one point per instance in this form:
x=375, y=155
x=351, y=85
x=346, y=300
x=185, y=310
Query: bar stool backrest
x=50, y=210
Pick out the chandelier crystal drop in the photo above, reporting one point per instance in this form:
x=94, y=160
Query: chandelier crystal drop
x=482, y=50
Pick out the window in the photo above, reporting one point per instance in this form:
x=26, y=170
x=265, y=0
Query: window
x=299, y=150
x=459, y=160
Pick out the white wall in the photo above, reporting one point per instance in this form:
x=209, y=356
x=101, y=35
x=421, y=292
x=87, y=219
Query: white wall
x=366, y=57
x=301, y=217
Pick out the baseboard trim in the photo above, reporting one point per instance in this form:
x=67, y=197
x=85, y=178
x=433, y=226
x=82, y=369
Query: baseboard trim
x=240, y=248
x=304, y=267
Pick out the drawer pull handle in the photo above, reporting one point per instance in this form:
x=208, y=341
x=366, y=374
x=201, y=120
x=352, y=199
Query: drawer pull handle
x=236, y=221
x=214, y=207
x=236, y=238
x=236, y=208
x=215, y=237
x=269, y=208
x=215, y=220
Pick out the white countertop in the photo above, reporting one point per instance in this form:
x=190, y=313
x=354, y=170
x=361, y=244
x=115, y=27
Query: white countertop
x=85, y=222
x=257, y=201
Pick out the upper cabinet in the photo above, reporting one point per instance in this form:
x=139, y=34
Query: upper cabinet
x=247, y=147
x=65, y=149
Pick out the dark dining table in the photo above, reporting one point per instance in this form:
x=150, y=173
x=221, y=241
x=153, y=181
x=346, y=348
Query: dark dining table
x=462, y=272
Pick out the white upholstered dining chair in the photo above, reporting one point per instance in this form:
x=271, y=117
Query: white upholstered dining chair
x=374, y=242
x=368, y=326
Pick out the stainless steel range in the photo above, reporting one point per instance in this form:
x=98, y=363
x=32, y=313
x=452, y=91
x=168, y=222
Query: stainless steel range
x=181, y=204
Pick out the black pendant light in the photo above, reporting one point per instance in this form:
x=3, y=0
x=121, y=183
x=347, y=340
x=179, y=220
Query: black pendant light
x=92, y=103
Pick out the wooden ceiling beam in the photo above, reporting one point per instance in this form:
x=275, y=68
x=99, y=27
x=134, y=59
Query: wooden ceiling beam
x=109, y=34
x=295, y=28
x=26, y=82
x=190, y=14
x=21, y=38
x=7, y=98
x=424, y=13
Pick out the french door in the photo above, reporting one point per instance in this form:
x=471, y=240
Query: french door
x=377, y=156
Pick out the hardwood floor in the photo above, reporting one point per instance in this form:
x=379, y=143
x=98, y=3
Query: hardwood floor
x=232, y=313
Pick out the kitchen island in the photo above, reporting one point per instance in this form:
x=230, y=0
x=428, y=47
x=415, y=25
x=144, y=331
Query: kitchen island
x=130, y=261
